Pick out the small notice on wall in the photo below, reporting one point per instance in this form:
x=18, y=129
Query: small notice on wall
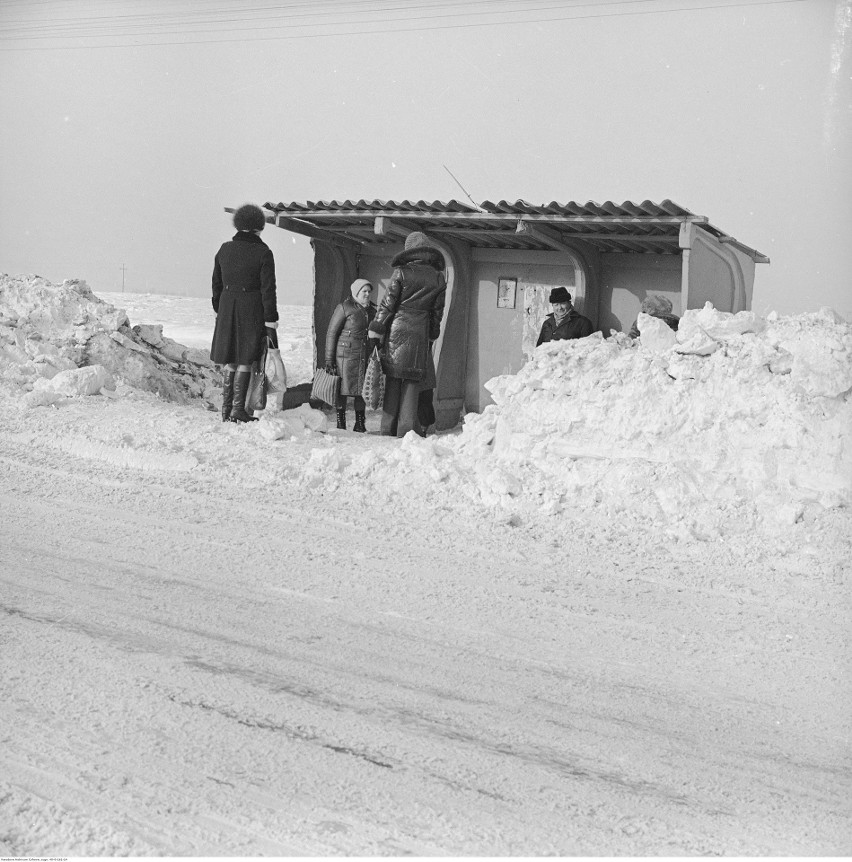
x=506, y=292
x=536, y=308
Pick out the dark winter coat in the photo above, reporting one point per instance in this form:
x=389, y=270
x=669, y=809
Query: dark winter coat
x=243, y=299
x=346, y=343
x=409, y=315
x=672, y=319
x=573, y=325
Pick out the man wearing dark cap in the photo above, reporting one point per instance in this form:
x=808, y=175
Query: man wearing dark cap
x=565, y=321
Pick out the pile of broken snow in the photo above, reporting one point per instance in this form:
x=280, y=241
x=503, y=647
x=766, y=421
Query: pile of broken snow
x=60, y=340
x=733, y=419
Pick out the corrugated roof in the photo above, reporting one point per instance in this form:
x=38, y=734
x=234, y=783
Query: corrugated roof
x=628, y=209
x=371, y=206
x=645, y=227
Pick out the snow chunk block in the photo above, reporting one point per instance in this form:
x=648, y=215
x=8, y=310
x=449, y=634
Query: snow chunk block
x=820, y=370
x=77, y=382
x=71, y=383
x=720, y=326
x=657, y=335
x=280, y=426
x=291, y=423
x=152, y=333
x=315, y=420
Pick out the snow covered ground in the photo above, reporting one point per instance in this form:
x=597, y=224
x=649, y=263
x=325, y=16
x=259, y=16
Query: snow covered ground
x=609, y=616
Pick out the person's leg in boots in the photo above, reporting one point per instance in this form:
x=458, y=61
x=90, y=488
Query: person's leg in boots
x=425, y=410
x=227, y=392
x=360, y=414
x=390, y=406
x=409, y=397
x=341, y=412
x=241, y=385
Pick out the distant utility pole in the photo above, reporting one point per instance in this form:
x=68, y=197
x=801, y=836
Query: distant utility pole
x=123, y=270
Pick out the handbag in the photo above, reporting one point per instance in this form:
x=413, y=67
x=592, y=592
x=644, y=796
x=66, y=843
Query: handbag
x=373, y=390
x=326, y=387
x=276, y=378
x=256, y=395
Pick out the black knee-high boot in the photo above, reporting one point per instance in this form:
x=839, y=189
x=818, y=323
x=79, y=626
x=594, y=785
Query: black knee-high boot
x=360, y=421
x=238, y=410
x=227, y=394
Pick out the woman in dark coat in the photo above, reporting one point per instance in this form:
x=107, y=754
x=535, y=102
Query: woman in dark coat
x=346, y=349
x=246, y=309
x=409, y=321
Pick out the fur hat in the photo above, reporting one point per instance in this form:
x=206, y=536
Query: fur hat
x=417, y=240
x=249, y=217
x=656, y=304
x=559, y=294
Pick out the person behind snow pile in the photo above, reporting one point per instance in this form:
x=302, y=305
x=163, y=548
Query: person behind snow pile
x=656, y=306
x=246, y=308
x=409, y=321
x=565, y=321
x=347, y=351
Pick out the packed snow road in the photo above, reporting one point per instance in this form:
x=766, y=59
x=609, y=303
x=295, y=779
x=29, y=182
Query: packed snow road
x=198, y=665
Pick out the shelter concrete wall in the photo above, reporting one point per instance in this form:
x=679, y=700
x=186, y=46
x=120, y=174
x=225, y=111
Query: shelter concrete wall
x=334, y=271
x=626, y=279
x=718, y=273
x=496, y=335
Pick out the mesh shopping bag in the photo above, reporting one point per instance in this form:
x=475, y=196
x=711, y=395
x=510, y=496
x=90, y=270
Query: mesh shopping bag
x=326, y=387
x=256, y=395
x=373, y=390
x=276, y=379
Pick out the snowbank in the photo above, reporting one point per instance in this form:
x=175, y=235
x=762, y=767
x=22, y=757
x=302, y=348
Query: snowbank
x=732, y=423
x=50, y=332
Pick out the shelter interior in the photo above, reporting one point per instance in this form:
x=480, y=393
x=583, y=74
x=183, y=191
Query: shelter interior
x=502, y=259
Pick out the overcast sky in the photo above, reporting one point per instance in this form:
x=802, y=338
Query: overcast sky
x=127, y=127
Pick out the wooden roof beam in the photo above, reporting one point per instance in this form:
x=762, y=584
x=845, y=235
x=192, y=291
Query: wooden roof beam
x=385, y=226
x=616, y=237
x=314, y=232
x=543, y=234
x=756, y=256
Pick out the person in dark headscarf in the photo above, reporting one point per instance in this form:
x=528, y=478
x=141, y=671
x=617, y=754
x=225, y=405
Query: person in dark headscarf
x=408, y=321
x=244, y=300
x=565, y=321
x=346, y=349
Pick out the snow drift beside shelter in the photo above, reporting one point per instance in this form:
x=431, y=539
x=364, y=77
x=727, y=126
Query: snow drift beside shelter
x=740, y=420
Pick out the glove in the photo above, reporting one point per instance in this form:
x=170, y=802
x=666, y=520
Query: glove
x=373, y=344
x=331, y=368
x=431, y=346
x=272, y=335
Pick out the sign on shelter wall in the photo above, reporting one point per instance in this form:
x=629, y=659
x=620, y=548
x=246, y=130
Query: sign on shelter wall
x=536, y=308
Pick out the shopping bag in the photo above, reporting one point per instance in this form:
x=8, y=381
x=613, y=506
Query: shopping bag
x=256, y=395
x=276, y=379
x=326, y=387
x=373, y=390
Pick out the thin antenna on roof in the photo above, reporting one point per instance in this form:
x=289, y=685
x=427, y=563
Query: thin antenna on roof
x=462, y=188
